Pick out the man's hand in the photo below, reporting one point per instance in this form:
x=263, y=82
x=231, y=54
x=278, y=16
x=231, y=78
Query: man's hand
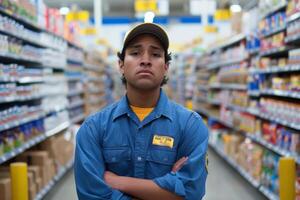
x=111, y=179
x=179, y=164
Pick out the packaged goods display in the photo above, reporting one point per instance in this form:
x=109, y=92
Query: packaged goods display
x=15, y=137
x=269, y=174
x=272, y=42
x=272, y=23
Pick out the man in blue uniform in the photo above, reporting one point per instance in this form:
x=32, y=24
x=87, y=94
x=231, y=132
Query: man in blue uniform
x=144, y=146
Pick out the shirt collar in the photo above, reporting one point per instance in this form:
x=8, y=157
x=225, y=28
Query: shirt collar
x=162, y=108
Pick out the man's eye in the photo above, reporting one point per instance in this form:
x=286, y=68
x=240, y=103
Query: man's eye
x=156, y=55
x=134, y=53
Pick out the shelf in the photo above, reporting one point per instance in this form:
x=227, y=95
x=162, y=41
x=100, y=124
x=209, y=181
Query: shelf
x=229, y=42
x=233, y=164
x=293, y=17
x=32, y=142
x=93, y=68
x=74, y=62
x=254, y=93
x=238, y=108
x=78, y=119
x=292, y=38
x=273, y=147
x=202, y=99
x=31, y=80
x=276, y=69
x=61, y=172
x=76, y=104
x=13, y=58
x=25, y=40
x=18, y=99
x=273, y=10
x=227, y=62
x=20, y=122
x=202, y=111
x=281, y=93
x=96, y=91
x=257, y=139
x=275, y=51
x=75, y=92
x=213, y=102
x=254, y=51
x=268, y=193
x=228, y=86
x=8, y=79
x=58, y=129
x=20, y=19
x=74, y=79
x=202, y=87
x=279, y=121
x=274, y=31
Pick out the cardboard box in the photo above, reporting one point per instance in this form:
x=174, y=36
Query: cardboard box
x=32, y=191
x=4, y=174
x=30, y=179
x=5, y=189
x=39, y=186
x=37, y=157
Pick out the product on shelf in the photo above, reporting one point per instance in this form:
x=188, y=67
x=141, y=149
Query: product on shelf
x=269, y=175
x=56, y=119
x=249, y=157
x=253, y=43
x=293, y=28
x=272, y=42
x=15, y=137
x=16, y=113
x=236, y=74
x=272, y=22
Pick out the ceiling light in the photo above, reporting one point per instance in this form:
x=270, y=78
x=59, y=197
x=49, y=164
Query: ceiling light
x=64, y=10
x=149, y=16
x=235, y=8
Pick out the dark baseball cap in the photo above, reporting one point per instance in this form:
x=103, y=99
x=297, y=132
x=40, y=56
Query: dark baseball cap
x=147, y=28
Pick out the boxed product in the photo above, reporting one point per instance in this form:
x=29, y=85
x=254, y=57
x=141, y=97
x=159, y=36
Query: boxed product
x=5, y=188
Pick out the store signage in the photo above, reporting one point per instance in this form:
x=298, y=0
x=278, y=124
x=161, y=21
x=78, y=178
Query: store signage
x=145, y=5
x=78, y=16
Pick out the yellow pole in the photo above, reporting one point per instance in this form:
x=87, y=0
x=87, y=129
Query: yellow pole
x=287, y=178
x=19, y=181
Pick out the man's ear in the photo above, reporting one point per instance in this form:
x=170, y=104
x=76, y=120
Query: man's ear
x=121, y=66
x=167, y=66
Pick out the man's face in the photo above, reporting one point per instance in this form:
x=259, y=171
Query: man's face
x=144, y=64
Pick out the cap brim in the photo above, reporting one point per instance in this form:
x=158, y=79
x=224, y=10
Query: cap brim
x=148, y=28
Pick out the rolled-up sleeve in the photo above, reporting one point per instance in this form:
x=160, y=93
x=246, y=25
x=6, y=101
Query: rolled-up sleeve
x=189, y=181
x=89, y=167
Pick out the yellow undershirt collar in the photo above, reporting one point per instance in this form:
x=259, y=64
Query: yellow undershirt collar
x=141, y=113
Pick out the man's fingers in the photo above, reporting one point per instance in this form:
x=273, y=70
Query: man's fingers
x=179, y=164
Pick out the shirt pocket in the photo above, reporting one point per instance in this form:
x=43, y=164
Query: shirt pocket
x=159, y=162
x=117, y=159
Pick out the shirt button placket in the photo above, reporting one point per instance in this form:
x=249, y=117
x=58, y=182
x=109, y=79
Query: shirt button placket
x=139, y=152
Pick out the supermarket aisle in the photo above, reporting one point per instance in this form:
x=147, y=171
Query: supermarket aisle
x=223, y=183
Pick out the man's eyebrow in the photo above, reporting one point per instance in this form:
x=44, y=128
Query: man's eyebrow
x=134, y=46
x=156, y=47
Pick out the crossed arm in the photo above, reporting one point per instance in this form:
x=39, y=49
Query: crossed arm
x=142, y=188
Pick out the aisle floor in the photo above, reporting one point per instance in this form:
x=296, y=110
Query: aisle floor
x=223, y=184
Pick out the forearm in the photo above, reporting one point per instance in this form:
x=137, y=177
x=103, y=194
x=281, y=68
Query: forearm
x=144, y=189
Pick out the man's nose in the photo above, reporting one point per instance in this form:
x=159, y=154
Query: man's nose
x=145, y=60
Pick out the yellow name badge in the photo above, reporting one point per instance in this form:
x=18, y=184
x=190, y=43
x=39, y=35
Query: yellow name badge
x=163, y=141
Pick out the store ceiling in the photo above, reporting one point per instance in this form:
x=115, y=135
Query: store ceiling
x=126, y=7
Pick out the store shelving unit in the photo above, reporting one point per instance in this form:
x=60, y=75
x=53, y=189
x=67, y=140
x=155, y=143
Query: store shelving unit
x=58, y=71
x=61, y=172
x=215, y=99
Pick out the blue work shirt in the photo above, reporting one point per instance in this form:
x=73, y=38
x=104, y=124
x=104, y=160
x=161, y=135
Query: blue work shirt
x=115, y=140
